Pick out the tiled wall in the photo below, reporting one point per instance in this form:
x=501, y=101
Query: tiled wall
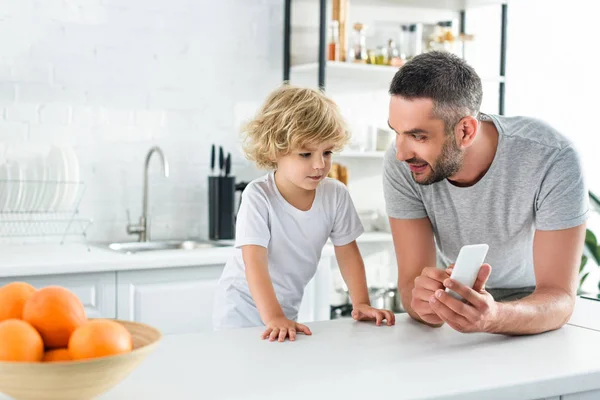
x=113, y=78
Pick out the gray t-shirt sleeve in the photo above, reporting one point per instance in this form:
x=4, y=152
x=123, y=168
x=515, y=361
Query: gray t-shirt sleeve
x=562, y=200
x=402, y=199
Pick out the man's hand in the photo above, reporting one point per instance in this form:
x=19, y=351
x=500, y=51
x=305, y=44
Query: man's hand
x=280, y=327
x=364, y=312
x=476, y=314
x=426, y=285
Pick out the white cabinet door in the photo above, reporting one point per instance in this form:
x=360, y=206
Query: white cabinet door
x=316, y=303
x=97, y=291
x=173, y=300
x=591, y=395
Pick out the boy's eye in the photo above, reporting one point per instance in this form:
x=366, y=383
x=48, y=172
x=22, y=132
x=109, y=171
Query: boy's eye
x=328, y=153
x=304, y=155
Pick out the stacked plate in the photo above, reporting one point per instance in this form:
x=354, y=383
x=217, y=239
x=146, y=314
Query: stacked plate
x=42, y=184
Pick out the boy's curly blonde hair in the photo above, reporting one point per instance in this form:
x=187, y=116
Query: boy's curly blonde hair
x=290, y=119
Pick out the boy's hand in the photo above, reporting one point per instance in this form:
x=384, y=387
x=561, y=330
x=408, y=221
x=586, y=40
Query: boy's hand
x=281, y=327
x=364, y=312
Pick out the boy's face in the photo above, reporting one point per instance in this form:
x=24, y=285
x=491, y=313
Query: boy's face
x=307, y=166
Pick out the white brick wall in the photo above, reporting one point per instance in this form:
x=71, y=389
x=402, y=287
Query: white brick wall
x=114, y=78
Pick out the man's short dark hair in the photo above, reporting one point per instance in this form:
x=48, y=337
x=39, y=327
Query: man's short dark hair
x=452, y=85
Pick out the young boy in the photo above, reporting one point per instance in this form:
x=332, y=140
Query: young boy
x=287, y=216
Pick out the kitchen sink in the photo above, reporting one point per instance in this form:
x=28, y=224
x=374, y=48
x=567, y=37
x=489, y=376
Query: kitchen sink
x=136, y=247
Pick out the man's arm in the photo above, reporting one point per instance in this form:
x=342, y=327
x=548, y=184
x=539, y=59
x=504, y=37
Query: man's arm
x=556, y=255
x=415, y=251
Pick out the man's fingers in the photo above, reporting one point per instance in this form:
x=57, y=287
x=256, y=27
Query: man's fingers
x=484, y=273
x=460, y=308
x=435, y=274
x=447, y=315
x=425, y=282
x=292, y=334
x=378, y=318
x=423, y=294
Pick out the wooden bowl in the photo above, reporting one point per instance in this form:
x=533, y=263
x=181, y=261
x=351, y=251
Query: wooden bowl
x=77, y=380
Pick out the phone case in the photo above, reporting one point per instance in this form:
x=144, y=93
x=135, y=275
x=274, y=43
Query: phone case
x=469, y=261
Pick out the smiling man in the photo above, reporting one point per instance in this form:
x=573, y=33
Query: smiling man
x=456, y=176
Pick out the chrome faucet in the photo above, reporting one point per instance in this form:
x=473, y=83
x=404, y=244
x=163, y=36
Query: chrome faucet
x=142, y=229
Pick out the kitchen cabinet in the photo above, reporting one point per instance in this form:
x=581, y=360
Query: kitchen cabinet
x=173, y=300
x=97, y=291
x=591, y=395
x=180, y=300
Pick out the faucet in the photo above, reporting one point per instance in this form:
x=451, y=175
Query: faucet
x=142, y=229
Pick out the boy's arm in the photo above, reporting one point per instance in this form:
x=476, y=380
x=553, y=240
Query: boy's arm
x=352, y=268
x=278, y=327
x=259, y=282
x=353, y=271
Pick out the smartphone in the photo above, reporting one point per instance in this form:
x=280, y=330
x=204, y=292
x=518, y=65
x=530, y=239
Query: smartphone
x=469, y=261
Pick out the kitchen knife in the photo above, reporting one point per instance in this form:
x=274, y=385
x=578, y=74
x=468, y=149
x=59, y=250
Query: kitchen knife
x=228, y=164
x=212, y=160
x=221, y=160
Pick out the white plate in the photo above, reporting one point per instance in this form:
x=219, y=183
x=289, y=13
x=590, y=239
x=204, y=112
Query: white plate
x=41, y=190
x=4, y=187
x=30, y=185
x=16, y=186
x=57, y=172
x=72, y=177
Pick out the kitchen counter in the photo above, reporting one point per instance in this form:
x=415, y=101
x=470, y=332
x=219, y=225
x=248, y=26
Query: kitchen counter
x=48, y=259
x=350, y=360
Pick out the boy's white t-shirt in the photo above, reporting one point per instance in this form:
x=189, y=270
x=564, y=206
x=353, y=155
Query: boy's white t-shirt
x=294, y=240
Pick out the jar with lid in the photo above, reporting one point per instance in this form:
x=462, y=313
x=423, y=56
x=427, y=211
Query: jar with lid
x=358, y=47
x=394, y=58
x=333, y=48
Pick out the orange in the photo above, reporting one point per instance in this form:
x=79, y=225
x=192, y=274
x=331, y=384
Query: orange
x=99, y=338
x=55, y=312
x=57, y=355
x=19, y=341
x=12, y=299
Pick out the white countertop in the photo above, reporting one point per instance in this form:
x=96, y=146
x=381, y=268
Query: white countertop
x=349, y=360
x=45, y=259
x=27, y=260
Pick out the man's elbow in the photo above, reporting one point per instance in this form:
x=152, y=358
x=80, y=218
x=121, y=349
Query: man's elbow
x=563, y=304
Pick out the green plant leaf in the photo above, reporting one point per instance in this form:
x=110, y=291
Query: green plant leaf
x=590, y=238
x=584, y=260
x=583, y=278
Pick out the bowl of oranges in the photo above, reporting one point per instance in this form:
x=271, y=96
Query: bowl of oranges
x=49, y=349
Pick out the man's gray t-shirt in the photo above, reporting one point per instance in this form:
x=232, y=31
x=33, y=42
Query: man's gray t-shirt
x=534, y=182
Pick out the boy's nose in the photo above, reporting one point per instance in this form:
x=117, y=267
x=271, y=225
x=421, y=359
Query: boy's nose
x=319, y=163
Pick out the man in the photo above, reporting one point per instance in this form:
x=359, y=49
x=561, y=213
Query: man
x=456, y=176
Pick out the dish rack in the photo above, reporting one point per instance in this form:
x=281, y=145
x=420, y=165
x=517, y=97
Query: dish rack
x=42, y=210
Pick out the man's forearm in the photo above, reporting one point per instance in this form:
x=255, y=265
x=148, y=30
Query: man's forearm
x=542, y=311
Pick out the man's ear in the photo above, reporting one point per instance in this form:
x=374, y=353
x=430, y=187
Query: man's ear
x=466, y=131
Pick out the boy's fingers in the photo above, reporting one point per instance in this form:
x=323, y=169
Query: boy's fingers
x=390, y=317
x=378, y=318
x=304, y=329
x=292, y=334
x=274, y=334
x=266, y=333
x=282, y=334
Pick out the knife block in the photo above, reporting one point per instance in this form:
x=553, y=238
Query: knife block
x=221, y=209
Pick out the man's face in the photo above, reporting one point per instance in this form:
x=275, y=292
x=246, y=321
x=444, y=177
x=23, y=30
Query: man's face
x=422, y=142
